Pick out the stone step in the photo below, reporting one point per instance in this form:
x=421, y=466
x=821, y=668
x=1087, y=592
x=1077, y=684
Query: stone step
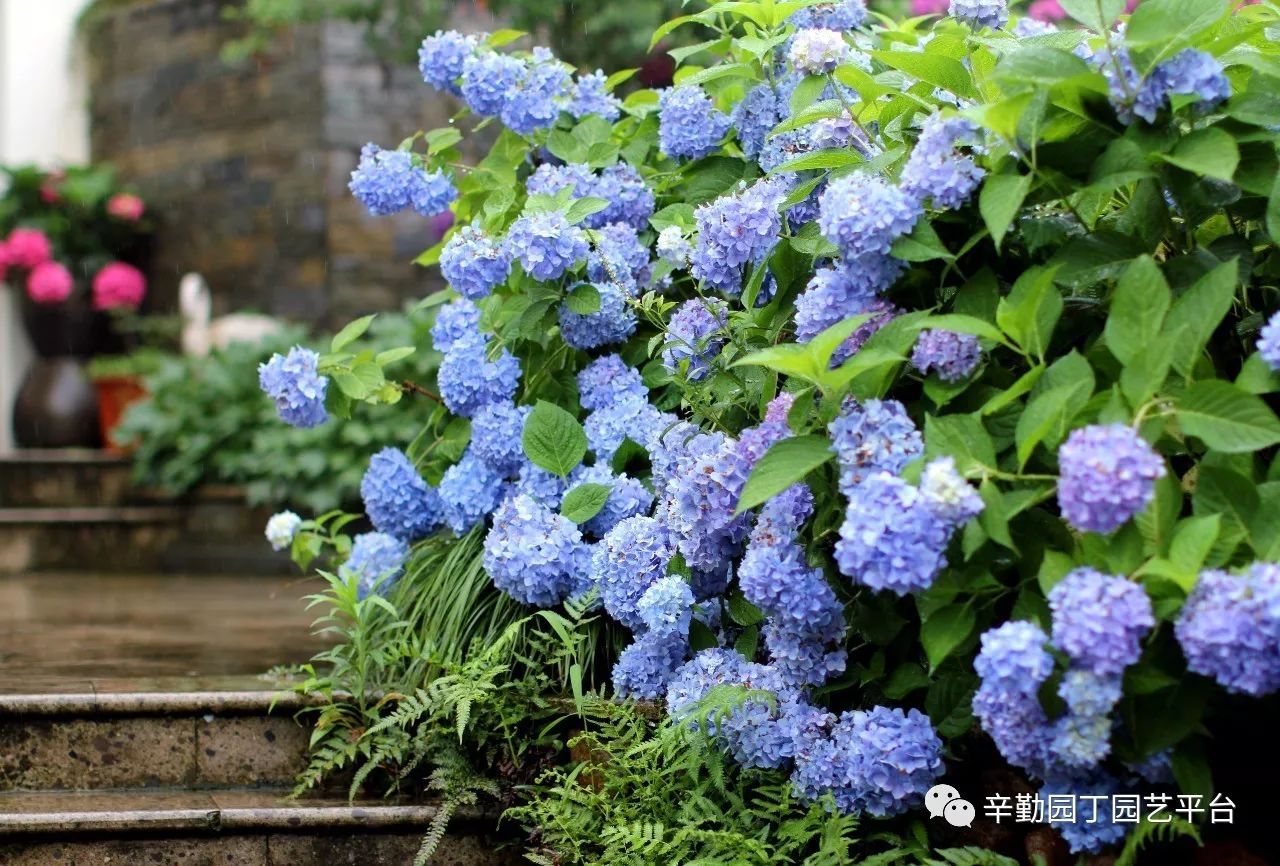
x=35, y=478
x=245, y=828
x=98, y=739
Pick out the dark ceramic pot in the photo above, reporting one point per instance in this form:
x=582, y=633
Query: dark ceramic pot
x=57, y=406
x=65, y=330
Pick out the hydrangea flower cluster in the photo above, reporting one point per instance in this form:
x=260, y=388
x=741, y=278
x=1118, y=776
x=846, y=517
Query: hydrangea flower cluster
x=936, y=171
x=474, y=263
x=1012, y=664
x=1229, y=629
x=644, y=668
x=442, y=56
x=469, y=491
x=870, y=437
x=1187, y=73
x=294, y=382
x=1100, y=619
x=545, y=244
x=952, y=356
x=611, y=323
x=496, y=432
x=282, y=528
x=1269, y=342
x=376, y=562
x=690, y=125
x=673, y=247
x=817, y=51
x=839, y=15
x=736, y=230
x=862, y=213
x=456, y=322
x=695, y=337
x=396, y=498
x=608, y=380
x=469, y=380
x=630, y=199
x=1107, y=474
x=388, y=181
x=667, y=606
x=632, y=557
x=1095, y=827
x=755, y=116
x=846, y=288
x=628, y=497
x=980, y=13
x=533, y=554
x=590, y=95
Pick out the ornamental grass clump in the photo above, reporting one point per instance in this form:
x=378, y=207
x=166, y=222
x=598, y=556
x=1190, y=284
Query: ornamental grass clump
x=890, y=390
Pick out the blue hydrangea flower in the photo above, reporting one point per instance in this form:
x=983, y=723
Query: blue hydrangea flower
x=736, y=230
x=632, y=557
x=1229, y=629
x=590, y=95
x=1268, y=341
x=845, y=289
x=671, y=444
x=388, y=181
x=699, y=501
x=488, y=80
x=667, y=606
x=469, y=492
x=880, y=761
x=496, y=432
x=1082, y=737
x=533, y=554
x=608, y=380
x=376, y=562
x=1187, y=73
x=541, y=485
x=630, y=200
x=947, y=494
x=1014, y=657
x=689, y=124
x=980, y=13
x=952, y=356
x=474, y=263
x=441, y=57
x=546, y=244
x=535, y=102
x=644, y=668
x=1123, y=79
x=1154, y=769
x=694, y=338
x=1107, y=475
x=862, y=213
x=936, y=171
x=628, y=497
x=1094, y=826
x=549, y=179
x=1099, y=620
x=673, y=247
x=282, y=528
x=293, y=381
x=619, y=257
x=612, y=323
x=469, y=381
x=753, y=118
x=839, y=15
x=870, y=437
x=881, y=313
x=1028, y=27
x=1013, y=663
x=396, y=498
x=817, y=51
x=633, y=419
x=457, y=321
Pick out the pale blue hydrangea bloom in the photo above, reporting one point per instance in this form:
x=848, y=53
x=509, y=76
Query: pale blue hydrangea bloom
x=980, y=13
x=456, y=322
x=396, y=498
x=282, y=528
x=861, y=213
x=1013, y=663
x=442, y=55
x=667, y=606
x=618, y=256
x=1094, y=827
x=474, y=263
x=690, y=125
x=847, y=288
x=1187, y=73
x=608, y=380
x=388, y=181
x=838, y=15
x=817, y=51
x=753, y=118
x=590, y=95
x=736, y=230
x=873, y=436
x=1269, y=342
x=535, y=103
x=496, y=432
x=546, y=245
x=937, y=171
x=469, y=492
x=1107, y=475
x=376, y=562
x=1082, y=737
x=635, y=419
x=469, y=380
x=294, y=382
x=632, y=557
x=533, y=554
x=695, y=336
x=946, y=492
x=630, y=200
x=488, y=79
x=674, y=247
x=644, y=668
x=613, y=322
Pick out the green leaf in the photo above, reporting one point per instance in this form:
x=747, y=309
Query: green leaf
x=1138, y=309
x=1097, y=15
x=961, y=437
x=584, y=299
x=585, y=501
x=350, y=333
x=1273, y=211
x=442, y=139
x=743, y=612
x=748, y=642
x=582, y=208
x=1050, y=412
x=1209, y=152
x=1192, y=540
x=1169, y=24
x=498, y=38
x=782, y=465
x=1000, y=200
x=1226, y=418
x=822, y=159
x=961, y=324
x=1030, y=312
x=553, y=439
x=1145, y=373
x=922, y=245
x=390, y=356
x=944, y=631
x=936, y=69
x=1200, y=310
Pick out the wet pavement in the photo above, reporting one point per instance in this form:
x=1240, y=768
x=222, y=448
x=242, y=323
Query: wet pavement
x=111, y=633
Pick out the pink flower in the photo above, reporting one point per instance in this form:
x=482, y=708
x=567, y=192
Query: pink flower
x=929, y=7
x=49, y=283
x=28, y=248
x=1046, y=10
x=4, y=260
x=50, y=189
x=118, y=285
x=126, y=206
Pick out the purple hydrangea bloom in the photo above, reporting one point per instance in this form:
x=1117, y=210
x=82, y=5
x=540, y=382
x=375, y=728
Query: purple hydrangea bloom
x=817, y=51
x=535, y=102
x=690, y=125
x=469, y=492
x=630, y=200
x=936, y=171
x=953, y=356
x=880, y=761
x=980, y=13
x=1012, y=664
x=1269, y=342
x=376, y=562
x=695, y=336
x=608, y=380
x=496, y=431
x=590, y=95
x=1229, y=629
x=474, y=263
x=838, y=15
x=632, y=557
x=546, y=245
x=633, y=419
x=699, y=500
x=441, y=57
x=845, y=289
x=488, y=79
x=457, y=321
x=870, y=437
x=861, y=213
x=1107, y=474
x=736, y=230
x=469, y=381
x=644, y=668
x=1187, y=73
x=758, y=113
x=1099, y=620
x=881, y=313
x=533, y=554
x=1094, y=826
x=282, y=528
x=294, y=382
x=667, y=606
x=396, y=498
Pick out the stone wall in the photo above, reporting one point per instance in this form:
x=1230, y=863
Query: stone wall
x=245, y=166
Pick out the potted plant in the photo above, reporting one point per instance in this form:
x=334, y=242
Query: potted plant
x=71, y=242
x=119, y=382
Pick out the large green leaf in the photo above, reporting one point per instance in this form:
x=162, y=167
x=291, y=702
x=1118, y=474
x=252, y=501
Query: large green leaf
x=585, y=501
x=999, y=201
x=553, y=439
x=782, y=465
x=1170, y=23
x=1208, y=152
x=1138, y=308
x=944, y=631
x=1226, y=418
x=1199, y=310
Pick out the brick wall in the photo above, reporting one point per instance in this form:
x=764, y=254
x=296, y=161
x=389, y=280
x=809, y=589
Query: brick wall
x=246, y=166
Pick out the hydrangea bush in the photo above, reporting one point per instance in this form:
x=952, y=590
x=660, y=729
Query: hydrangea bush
x=915, y=380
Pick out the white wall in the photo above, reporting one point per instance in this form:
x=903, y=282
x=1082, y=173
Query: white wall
x=43, y=119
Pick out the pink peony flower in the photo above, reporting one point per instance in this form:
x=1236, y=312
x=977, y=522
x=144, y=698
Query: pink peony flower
x=118, y=285
x=930, y=7
x=126, y=206
x=49, y=283
x=28, y=248
x=1046, y=10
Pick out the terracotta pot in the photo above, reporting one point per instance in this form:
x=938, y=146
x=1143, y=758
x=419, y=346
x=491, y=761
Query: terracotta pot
x=115, y=395
x=56, y=406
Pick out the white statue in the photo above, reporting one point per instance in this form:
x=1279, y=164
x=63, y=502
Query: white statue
x=201, y=334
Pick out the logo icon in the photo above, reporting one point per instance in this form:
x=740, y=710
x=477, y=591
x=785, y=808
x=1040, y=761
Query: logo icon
x=944, y=801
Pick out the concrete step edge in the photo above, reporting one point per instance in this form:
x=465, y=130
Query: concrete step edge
x=164, y=703
x=107, y=515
